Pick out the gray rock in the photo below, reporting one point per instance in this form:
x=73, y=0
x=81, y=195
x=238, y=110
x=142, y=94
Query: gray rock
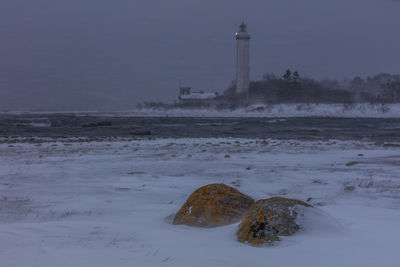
x=268, y=219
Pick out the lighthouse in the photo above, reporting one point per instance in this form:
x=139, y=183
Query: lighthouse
x=242, y=60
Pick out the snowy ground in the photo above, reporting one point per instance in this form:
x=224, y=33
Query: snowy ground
x=105, y=203
x=356, y=110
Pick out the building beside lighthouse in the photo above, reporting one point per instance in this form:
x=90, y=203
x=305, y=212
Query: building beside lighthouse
x=187, y=96
x=242, y=60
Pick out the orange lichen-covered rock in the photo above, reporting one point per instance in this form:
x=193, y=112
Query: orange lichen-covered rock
x=213, y=205
x=268, y=219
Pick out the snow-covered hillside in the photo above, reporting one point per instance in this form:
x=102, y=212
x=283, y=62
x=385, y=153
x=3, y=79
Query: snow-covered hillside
x=359, y=110
x=109, y=203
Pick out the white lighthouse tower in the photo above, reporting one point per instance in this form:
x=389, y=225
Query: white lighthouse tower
x=242, y=60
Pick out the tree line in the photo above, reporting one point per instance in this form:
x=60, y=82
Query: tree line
x=291, y=87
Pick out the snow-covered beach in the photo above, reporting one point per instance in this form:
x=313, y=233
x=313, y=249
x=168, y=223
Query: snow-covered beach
x=74, y=203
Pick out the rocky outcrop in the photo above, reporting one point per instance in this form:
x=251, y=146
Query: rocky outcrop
x=268, y=219
x=213, y=205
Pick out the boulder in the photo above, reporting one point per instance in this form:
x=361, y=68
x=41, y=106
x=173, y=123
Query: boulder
x=213, y=205
x=268, y=219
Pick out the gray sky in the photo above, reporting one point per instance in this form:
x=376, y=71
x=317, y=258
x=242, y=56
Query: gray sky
x=112, y=54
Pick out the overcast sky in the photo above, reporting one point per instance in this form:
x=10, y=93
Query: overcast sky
x=112, y=54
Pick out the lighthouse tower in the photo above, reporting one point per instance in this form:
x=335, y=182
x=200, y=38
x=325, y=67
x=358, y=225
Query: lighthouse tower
x=242, y=60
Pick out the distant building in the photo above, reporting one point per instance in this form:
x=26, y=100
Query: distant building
x=242, y=60
x=186, y=96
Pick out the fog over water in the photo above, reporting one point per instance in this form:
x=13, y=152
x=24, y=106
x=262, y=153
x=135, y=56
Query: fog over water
x=110, y=55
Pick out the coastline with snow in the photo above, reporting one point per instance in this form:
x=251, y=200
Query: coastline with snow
x=356, y=110
x=106, y=203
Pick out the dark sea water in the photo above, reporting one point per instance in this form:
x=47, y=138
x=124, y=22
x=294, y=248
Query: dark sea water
x=97, y=126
